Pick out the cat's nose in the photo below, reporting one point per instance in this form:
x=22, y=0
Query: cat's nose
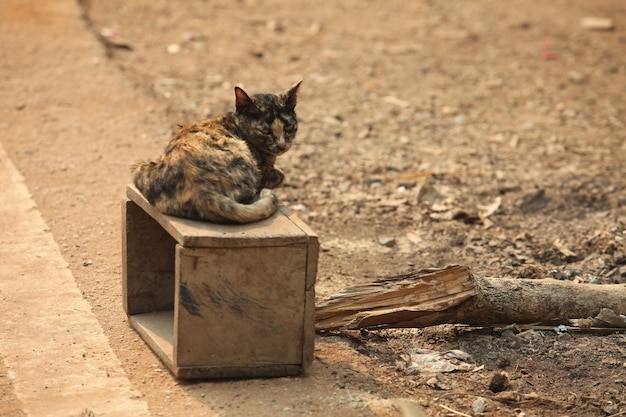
x=281, y=143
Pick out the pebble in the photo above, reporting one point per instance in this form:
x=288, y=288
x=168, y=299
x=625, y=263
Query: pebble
x=569, y=113
x=300, y=207
x=576, y=77
x=192, y=36
x=494, y=83
x=597, y=23
x=413, y=237
x=344, y=186
x=447, y=111
x=396, y=101
x=173, y=48
x=372, y=181
x=387, y=241
x=609, y=407
x=479, y=405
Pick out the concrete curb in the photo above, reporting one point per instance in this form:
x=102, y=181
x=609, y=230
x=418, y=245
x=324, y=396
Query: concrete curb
x=54, y=349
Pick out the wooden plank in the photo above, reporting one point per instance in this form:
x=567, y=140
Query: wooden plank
x=313, y=247
x=278, y=230
x=308, y=329
x=147, y=262
x=234, y=371
x=240, y=306
x=157, y=330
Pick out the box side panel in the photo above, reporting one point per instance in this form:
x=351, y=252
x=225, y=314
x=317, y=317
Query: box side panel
x=308, y=329
x=147, y=262
x=309, y=314
x=240, y=306
x=313, y=249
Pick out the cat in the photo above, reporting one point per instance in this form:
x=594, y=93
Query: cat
x=222, y=169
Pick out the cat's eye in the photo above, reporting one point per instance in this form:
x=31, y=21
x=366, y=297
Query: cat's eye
x=290, y=128
x=266, y=131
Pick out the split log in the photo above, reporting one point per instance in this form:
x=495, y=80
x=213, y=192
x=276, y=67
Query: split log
x=453, y=295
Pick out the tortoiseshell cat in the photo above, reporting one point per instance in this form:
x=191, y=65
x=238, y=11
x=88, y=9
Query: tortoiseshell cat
x=222, y=169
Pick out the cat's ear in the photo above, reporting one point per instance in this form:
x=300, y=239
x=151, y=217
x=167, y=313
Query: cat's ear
x=243, y=102
x=291, y=96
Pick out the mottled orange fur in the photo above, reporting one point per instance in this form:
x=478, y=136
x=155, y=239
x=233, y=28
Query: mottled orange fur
x=222, y=169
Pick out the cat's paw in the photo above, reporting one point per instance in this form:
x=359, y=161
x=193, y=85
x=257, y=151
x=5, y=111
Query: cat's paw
x=268, y=194
x=273, y=178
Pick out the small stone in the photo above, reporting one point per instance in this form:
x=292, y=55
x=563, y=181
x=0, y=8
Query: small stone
x=356, y=404
x=413, y=237
x=494, y=83
x=597, y=23
x=609, y=407
x=192, y=36
x=576, y=77
x=173, y=48
x=479, y=405
x=372, y=181
x=569, y=113
x=447, y=111
x=344, y=186
x=300, y=207
x=275, y=26
x=88, y=262
x=396, y=101
x=387, y=241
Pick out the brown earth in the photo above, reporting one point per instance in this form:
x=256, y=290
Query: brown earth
x=486, y=133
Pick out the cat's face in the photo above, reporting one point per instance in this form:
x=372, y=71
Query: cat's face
x=268, y=121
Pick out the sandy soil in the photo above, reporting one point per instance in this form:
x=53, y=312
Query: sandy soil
x=490, y=134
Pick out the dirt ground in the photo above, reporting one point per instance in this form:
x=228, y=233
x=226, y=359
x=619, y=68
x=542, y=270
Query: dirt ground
x=486, y=133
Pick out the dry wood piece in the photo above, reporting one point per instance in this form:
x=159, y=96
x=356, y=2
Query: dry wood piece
x=597, y=23
x=454, y=295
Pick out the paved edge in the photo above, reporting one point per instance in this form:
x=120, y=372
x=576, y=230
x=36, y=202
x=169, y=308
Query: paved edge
x=54, y=349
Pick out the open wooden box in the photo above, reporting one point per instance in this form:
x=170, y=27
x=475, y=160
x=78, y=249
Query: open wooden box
x=220, y=301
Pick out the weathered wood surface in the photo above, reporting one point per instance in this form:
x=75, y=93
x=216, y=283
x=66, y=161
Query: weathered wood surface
x=454, y=295
x=278, y=230
x=212, y=300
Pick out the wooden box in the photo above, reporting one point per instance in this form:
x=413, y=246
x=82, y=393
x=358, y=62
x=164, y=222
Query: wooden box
x=220, y=301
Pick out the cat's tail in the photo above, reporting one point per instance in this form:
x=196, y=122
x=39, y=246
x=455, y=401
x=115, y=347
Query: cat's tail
x=236, y=212
x=155, y=181
x=144, y=179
